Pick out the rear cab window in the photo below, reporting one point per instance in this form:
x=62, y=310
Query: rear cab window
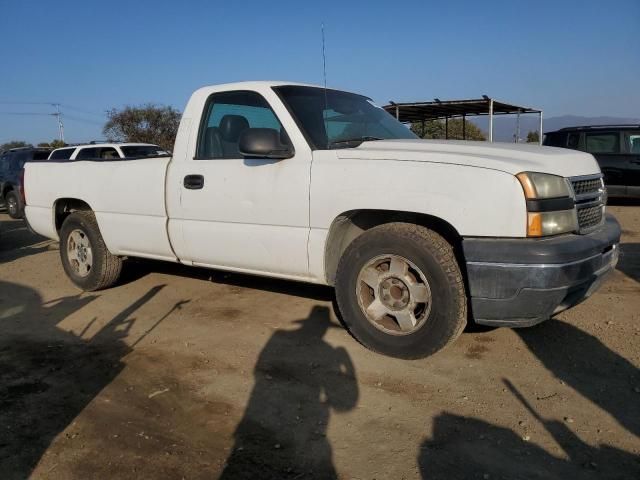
x=602, y=142
x=62, y=154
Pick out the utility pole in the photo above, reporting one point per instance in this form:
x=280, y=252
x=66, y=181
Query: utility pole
x=58, y=116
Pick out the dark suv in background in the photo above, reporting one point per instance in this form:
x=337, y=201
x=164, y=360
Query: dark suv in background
x=615, y=147
x=11, y=168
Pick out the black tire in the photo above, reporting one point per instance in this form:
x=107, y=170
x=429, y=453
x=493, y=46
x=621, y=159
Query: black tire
x=435, y=259
x=105, y=267
x=14, y=204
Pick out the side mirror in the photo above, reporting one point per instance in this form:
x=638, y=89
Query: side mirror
x=263, y=143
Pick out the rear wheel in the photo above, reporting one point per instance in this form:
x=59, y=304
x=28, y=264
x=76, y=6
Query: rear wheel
x=400, y=291
x=85, y=257
x=14, y=205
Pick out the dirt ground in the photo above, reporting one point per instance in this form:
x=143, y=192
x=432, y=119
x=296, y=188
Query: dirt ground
x=197, y=374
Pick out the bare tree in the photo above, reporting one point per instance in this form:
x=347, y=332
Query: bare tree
x=148, y=123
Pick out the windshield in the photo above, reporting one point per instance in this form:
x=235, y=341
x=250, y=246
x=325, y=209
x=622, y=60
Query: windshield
x=143, y=151
x=335, y=119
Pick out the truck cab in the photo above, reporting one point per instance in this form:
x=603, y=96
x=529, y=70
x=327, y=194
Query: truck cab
x=318, y=185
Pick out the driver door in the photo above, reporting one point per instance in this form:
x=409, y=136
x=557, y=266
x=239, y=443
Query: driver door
x=247, y=214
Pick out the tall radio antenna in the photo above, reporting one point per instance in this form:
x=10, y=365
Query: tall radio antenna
x=324, y=75
x=324, y=59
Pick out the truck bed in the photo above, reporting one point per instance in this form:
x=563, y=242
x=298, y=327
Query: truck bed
x=127, y=196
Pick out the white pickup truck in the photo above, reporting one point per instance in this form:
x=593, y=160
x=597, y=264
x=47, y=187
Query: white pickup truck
x=318, y=185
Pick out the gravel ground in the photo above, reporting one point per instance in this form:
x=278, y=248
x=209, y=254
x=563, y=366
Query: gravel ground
x=190, y=373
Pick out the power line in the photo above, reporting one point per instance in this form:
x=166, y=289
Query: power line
x=27, y=113
x=83, y=120
x=57, y=114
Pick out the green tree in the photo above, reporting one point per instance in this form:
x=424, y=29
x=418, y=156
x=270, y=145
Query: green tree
x=148, y=123
x=438, y=129
x=52, y=144
x=533, y=137
x=14, y=144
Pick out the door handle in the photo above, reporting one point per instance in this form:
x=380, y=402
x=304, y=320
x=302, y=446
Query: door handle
x=193, y=182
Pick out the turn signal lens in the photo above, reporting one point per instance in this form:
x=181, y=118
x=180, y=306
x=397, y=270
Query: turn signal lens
x=534, y=225
x=540, y=224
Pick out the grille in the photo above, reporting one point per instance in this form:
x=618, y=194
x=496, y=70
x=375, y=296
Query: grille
x=590, y=216
x=582, y=187
x=590, y=198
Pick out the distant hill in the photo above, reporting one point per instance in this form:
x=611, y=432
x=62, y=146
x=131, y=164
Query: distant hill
x=505, y=126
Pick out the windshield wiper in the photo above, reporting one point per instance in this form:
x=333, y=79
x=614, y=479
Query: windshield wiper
x=358, y=140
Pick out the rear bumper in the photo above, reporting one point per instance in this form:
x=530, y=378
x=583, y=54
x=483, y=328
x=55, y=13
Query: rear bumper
x=521, y=282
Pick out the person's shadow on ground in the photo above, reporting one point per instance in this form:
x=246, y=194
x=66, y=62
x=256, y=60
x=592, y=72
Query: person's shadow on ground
x=49, y=375
x=299, y=380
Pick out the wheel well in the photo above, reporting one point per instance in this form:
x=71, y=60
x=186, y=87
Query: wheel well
x=65, y=206
x=350, y=225
x=6, y=190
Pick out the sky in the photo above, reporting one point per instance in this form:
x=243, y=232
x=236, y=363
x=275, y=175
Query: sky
x=564, y=56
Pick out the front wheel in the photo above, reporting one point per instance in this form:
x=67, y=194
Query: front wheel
x=85, y=257
x=14, y=205
x=400, y=291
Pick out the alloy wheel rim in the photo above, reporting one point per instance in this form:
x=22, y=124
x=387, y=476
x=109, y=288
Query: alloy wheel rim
x=394, y=294
x=79, y=253
x=12, y=205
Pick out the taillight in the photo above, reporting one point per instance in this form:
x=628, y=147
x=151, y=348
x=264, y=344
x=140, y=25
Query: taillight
x=23, y=194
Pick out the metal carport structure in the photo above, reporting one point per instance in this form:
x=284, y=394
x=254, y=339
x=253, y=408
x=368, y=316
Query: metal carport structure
x=420, y=112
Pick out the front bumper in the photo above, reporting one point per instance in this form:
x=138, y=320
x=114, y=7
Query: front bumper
x=521, y=282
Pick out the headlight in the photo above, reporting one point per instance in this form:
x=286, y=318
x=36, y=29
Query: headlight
x=550, y=205
x=543, y=185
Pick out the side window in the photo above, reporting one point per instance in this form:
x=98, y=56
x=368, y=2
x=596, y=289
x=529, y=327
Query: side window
x=62, y=154
x=573, y=140
x=227, y=116
x=555, y=139
x=88, y=154
x=4, y=164
x=109, y=153
x=40, y=155
x=602, y=142
x=632, y=141
x=19, y=159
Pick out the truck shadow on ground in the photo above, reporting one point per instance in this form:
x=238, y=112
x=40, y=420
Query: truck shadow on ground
x=135, y=269
x=283, y=430
x=623, y=202
x=629, y=262
x=48, y=375
x=584, y=363
x=462, y=447
x=16, y=241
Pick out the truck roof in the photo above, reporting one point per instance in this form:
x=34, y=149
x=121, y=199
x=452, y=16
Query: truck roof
x=254, y=85
x=107, y=144
x=632, y=126
x=258, y=83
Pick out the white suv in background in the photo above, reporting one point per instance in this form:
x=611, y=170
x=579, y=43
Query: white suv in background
x=107, y=151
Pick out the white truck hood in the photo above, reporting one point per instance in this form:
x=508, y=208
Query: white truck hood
x=507, y=157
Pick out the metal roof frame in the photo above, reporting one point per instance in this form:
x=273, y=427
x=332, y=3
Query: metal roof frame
x=414, y=112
